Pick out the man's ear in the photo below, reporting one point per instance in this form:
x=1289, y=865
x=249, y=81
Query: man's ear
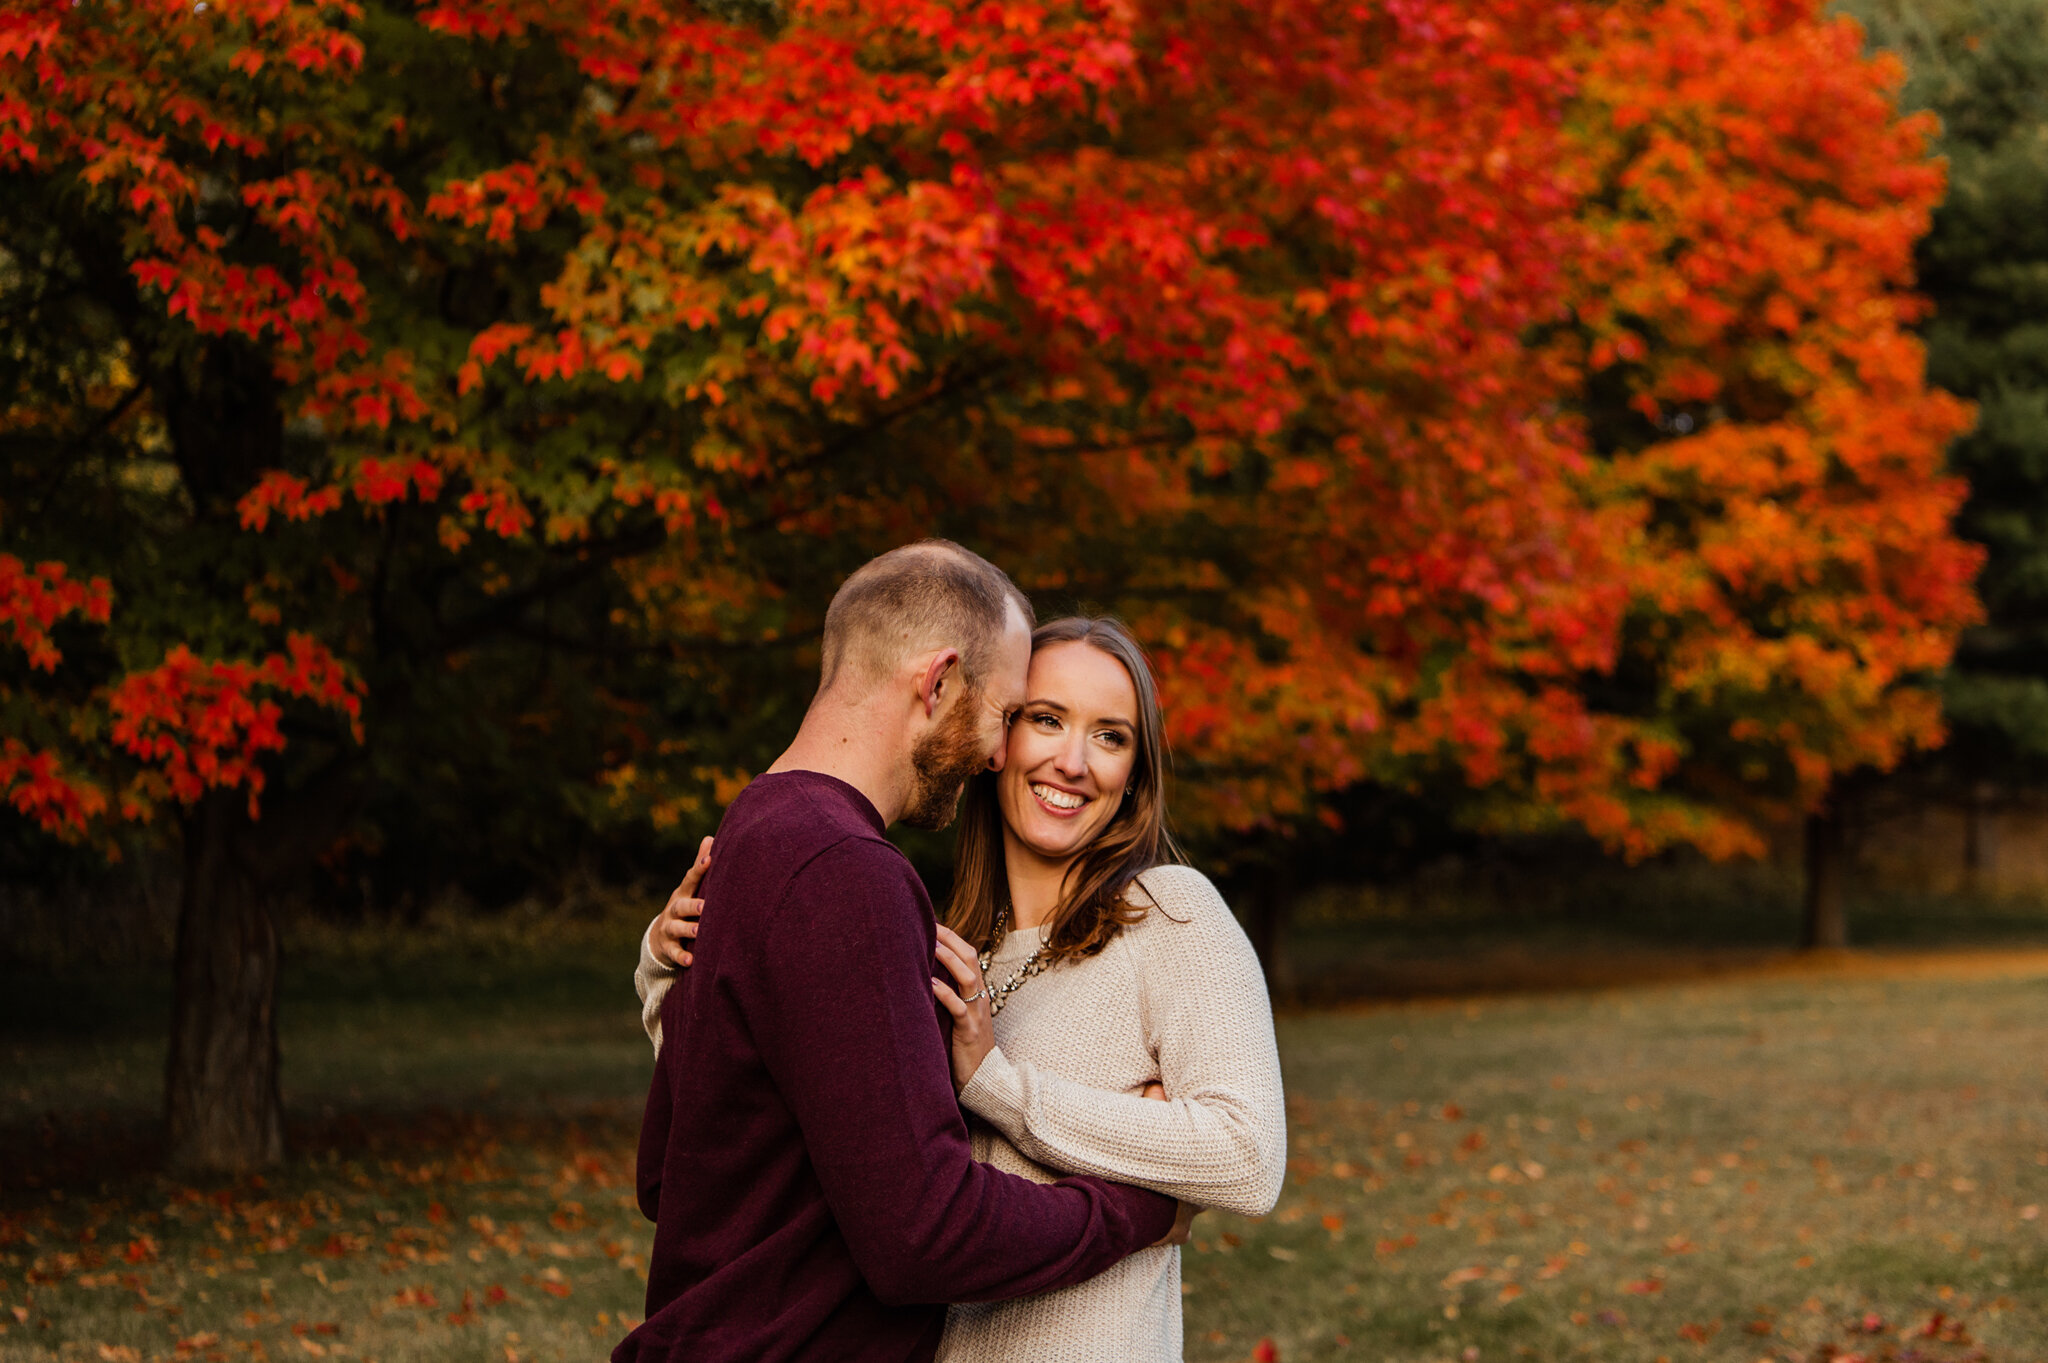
x=943, y=667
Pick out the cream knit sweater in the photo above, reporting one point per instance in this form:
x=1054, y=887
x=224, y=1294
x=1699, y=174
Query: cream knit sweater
x=1177, y=997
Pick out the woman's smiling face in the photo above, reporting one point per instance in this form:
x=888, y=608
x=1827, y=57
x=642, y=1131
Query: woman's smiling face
x=1072, y=749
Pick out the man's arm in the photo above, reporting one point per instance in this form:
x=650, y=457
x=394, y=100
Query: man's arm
x=844, y=1017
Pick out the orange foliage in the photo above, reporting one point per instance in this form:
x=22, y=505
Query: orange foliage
x=1291, y=332
x=1794, y=572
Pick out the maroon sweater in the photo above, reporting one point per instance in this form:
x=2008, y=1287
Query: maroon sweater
x=803, y=1156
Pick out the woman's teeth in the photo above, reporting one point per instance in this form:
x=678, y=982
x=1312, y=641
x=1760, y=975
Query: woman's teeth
x=1058, y=799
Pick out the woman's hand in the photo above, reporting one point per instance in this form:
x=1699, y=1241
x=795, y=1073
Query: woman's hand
x=676, y=926
x=974, y=1034
x=1183, y=1226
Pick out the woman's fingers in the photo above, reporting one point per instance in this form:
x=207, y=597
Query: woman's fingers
x=679, y=936
x=695, y=875
x=966, y=974
x=677, y=926
x=1155, y=1091
x=948, y=1000
x=682, y=905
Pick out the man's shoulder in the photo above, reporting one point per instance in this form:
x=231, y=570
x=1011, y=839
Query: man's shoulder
x=820, y=839
x=801, y=813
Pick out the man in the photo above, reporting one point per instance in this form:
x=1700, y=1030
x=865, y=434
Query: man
x=803, y=1156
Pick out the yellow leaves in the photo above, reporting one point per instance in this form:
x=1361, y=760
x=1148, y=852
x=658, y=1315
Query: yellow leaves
x=1528, y=1171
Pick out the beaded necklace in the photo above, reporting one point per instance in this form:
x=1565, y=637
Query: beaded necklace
x=999, y=994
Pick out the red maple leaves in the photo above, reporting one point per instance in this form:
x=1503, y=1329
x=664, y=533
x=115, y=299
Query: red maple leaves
x=33, y=600
x=192, y=724
x=1315, y=306
x=200, y=724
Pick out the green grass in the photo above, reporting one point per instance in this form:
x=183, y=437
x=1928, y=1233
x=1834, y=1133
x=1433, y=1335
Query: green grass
x=1751, y=1167
x=1766, y=1161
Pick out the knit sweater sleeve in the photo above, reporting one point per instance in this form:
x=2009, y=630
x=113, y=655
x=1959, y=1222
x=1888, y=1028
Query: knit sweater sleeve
x=651, y=982
x=1221, y=1138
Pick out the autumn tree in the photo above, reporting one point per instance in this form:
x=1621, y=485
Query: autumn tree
x=454, y=419
x=384, y=338
x=1623, y=502
x=308, y=549
x=1800, y=587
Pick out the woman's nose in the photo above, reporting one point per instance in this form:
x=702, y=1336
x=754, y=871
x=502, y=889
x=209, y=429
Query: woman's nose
x=1073, y=758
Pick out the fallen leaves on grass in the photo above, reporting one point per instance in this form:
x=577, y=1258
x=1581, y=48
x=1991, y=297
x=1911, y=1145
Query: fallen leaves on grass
x=334, y=1259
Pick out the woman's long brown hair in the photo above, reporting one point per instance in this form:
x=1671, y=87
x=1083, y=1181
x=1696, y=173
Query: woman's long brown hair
x=1092, y=907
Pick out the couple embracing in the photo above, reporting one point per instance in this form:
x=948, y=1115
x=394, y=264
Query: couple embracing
x=871, y=1136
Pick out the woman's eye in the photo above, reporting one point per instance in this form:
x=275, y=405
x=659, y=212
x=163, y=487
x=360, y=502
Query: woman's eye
x=1045, y=721
x=1112, y=738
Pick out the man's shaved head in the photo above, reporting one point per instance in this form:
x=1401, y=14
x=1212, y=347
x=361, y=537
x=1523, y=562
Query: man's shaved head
x=929, y=595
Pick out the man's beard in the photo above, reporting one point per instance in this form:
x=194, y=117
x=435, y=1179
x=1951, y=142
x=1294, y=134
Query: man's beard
x=941, y=765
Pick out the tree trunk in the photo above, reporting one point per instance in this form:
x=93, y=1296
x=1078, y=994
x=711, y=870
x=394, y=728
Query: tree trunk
x=1979, y=851
x=222, y=1109
x=1272, y=905
x=1826, y=920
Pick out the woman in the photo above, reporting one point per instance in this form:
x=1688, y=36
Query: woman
x=1090, y=973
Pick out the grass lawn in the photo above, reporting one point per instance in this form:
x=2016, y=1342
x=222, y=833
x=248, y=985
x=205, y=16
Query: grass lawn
x=1788, y=1164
